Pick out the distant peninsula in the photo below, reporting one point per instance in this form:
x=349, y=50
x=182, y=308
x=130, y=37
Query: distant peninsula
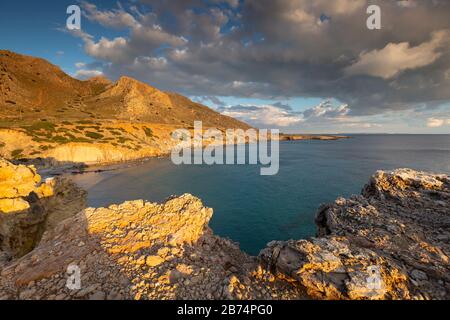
x=298, y=136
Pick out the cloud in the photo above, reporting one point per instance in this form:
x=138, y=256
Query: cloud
x=437, y=122
x=84, y=74
x=110, y=50
x=360, y=125
x=117, y=18
x=282, y=106
x=283, y=115
x=231, y=3
x=145, y=35
x=329, y=116
x=407, y=3
x=263, y=116
x=209, y=99
x=77, y=33
x=326, y=110
x=397, y=57
x=278, y=49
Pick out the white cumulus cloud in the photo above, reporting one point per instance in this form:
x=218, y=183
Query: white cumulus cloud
x=437, y=122
x=397, y=57
x=265, y=115
x=84, y=74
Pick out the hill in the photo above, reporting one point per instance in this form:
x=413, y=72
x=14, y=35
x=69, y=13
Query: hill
x=45, y=113
x=32, y=88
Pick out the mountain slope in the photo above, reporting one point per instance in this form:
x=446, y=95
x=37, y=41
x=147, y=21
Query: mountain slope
x=32, y=88
x=46, y=114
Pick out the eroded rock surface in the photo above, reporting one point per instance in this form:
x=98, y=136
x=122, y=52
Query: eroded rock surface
x=391, y=242
x=28, y=207
x=141, y=250
x=16, y=183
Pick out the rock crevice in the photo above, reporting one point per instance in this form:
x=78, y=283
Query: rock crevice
x=29, y=207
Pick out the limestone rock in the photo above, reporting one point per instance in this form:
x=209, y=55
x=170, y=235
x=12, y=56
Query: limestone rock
x=140, y=250
x=153, y=261
x=13, y=205
x=388, y=243
x=99, y=295
x=16, y=181
x=28, y=207
x=370, y=244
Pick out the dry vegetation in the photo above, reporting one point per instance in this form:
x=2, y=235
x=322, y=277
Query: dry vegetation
x=40, y=102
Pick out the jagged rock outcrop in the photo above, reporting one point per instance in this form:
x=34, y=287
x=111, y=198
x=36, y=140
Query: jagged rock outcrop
x=391, y=242
x=140, y=250
x=28, y=207
x=89, y=154
x=16, y=183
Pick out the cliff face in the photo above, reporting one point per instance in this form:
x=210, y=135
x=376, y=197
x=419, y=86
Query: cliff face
x=140, y=250
x=86, y=142
x=395, y=233
x=16, y=183
x=29, y=207
x=389, y=243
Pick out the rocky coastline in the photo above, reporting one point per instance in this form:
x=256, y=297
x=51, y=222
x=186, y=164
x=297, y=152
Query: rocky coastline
x=301, y=137
x=78, y=158
x=396, y=233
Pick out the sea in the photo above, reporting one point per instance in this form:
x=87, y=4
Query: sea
x=252, y=209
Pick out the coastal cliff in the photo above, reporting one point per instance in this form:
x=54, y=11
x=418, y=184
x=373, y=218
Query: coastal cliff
x=395, y=232
x=29, y=207
x=47, y=114
x=397, y=227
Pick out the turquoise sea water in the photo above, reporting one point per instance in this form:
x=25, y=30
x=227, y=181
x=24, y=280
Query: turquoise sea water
x=253, y=209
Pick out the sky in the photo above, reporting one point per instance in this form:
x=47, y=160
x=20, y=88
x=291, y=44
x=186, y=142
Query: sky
x=296, y=65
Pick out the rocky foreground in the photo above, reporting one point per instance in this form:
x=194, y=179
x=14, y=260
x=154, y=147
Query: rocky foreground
x=391, y=242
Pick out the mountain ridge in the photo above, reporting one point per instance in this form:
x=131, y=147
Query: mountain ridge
x=32, y=87
x=47, y=115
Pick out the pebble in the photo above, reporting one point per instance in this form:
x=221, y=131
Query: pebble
x=98, y=295
x=419, y=275
x=153, y=261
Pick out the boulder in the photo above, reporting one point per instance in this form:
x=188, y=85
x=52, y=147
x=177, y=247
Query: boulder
x=17, y=181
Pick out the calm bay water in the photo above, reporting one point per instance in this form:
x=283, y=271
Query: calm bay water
x=253, y=209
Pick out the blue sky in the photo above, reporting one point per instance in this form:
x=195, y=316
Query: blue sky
x=283, y=64
x=34, y=28
x=31, y=28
